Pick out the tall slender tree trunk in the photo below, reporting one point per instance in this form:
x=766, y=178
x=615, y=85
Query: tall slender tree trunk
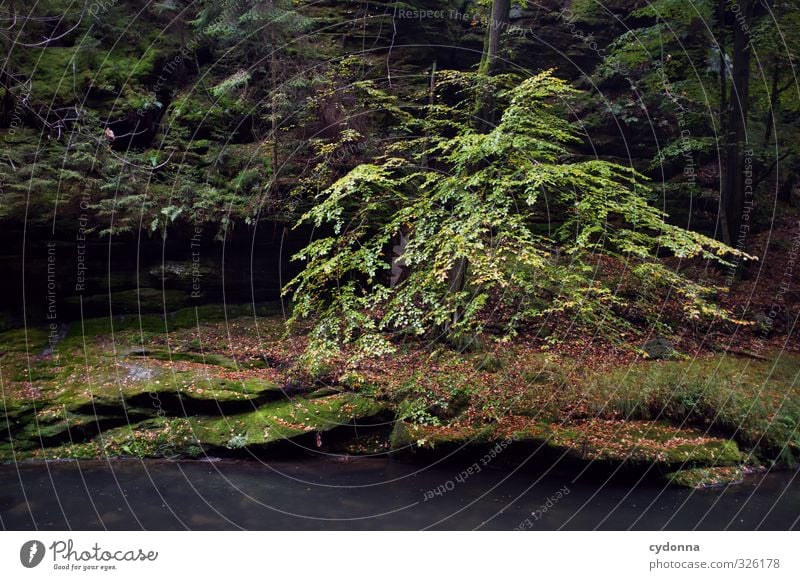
x=490, y=61
x=734, y=191
x=723, y=65
x=498, y=23
x=431, y=103
x=399, y=269
x=769, y=122
x=484, y=118
x=6, y=75
x=273, y=65
x=723, y=111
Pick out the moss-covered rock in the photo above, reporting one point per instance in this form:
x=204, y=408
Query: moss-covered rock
x=644, y=443
x=130, y=301
x=641, y=445
x=284, y=420
x=23, y=340
x=182, y=275
x=700, y=478
x=408, y=436
x=6, y=322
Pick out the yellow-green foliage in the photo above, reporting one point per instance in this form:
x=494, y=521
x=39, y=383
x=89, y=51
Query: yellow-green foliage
x=473, y=212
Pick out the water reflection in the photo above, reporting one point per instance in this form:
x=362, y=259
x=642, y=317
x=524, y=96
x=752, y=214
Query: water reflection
x=363, y=494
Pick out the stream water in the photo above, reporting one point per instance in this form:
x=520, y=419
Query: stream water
x=367, y=494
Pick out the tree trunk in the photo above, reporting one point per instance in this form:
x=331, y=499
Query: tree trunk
x=773, y=101
x=723, y=110
x=498, y=23
x=399, y=269
x=484, y=118
x=431, y=103
x=734, y=191
x=490, y=61
x=273, y=65
x=723, y=65
x=6, y=77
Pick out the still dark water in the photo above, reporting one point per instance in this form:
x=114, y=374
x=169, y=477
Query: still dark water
x=367, y=494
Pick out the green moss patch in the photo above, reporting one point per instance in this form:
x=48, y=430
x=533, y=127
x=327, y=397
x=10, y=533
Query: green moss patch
x=757, y=402
x=640, y=442
x=284, y=420
x=706, y=477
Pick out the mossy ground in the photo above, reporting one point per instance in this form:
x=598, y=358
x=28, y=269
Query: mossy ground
x=152, y=385
x=214, y=379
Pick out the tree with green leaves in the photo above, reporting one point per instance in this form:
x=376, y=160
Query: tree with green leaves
x=480, y=203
